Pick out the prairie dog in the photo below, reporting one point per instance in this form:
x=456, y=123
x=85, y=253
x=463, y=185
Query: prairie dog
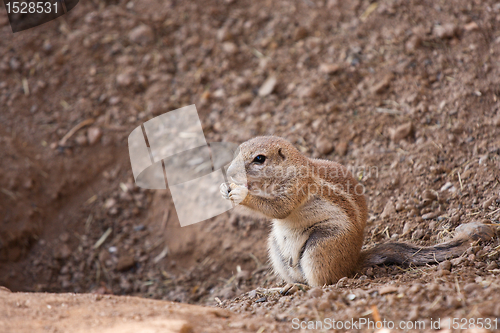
x=318, y=213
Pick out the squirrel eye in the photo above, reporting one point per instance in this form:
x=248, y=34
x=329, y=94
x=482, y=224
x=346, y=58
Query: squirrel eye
x=259, y=159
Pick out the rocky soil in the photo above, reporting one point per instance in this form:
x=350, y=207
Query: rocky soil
x=405, y=93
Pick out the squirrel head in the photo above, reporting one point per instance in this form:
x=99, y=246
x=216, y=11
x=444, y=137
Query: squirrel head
x=265, y=164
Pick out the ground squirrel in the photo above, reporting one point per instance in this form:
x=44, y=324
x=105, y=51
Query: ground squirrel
x=319, y=212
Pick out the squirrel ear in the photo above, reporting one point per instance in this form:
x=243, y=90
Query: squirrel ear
x=280, y=152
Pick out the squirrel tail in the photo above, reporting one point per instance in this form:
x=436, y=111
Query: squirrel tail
x=406, y=254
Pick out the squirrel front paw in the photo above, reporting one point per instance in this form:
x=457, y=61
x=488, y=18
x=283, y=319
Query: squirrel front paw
x=224, y=190
x=235, y=193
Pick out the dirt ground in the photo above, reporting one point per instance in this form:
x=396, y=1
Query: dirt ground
x=405, y=93
x=41, y=312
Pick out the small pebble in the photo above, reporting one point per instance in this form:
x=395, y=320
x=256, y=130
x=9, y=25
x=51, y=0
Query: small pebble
x=243, y=275
x=415, y=289
x=448, y=30
x=64, y=237
x=109, y=203
x=401, y=132
x=124, y=79
x=94, y=134
x=142, y=35
x=300, y=33
x=452, y=302
x=341, y=148
x=382, y=85
x=315, y=292
x=323, y=305
x=389, y=210
x=488, y=202
x=329, y=68
x=445, y=265
x=431, y=215
x=491, y=266
x=443, y=273
x=457, y=261
x=229, y=47
x=446, y=186
x=496, y=121
x=418, y=234
x=429, y=195
x=125, y=262
x=268, y=86
x=414, y=313
x=413, y=43
x=471, y=287
x=139, y=227
x=252, y=294
x=471, y=26
x=387, y=290
x=324, y=145
x=81, y=140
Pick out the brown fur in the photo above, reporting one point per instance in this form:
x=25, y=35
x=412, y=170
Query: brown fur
x=319, y=214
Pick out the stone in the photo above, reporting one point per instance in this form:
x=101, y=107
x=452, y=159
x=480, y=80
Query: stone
x=471, y=287
x=268, y=86
x=62, y=252
x=429, y=195
x=242, y=99
x=445, y=265
x=387, y=290
x=243, y=275
x=315, y=292
x=418, y=234
x=413, y=43
x=308, y=91
x=496, y=121
x=444, y=31
x=323, y=305
x=124, y=79
x=383, y=84
x=472, y=26
x=141, y=35
x=324, y=145
x=476, y=229
x=491, y=266
x=94, y=134
x=341, y=148
x=389, y=210
x=329, y=68
x=487, y=203
x=64, y=237
x=300, y=33
x=81, y=140
x=229, y=47
x=109, y=203
x=431, y=215
x=457, y=261
x=401, y=132
x=224, y=35
x=125, y=262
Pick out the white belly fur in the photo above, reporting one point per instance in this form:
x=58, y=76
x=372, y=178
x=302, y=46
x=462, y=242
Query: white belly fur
x=291, y=236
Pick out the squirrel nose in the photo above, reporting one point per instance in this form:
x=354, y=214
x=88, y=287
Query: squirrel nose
x=236, y=171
